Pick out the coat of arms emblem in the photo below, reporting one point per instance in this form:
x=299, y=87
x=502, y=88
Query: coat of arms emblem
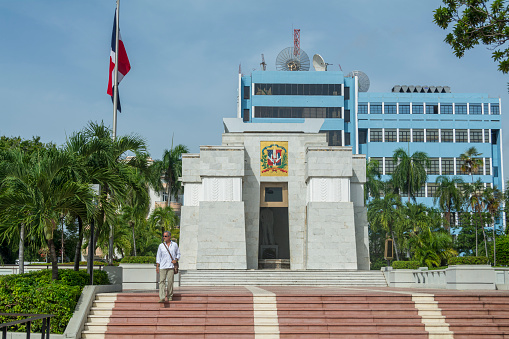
x=274, y=158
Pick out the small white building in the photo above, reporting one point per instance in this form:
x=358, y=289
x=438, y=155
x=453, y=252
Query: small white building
x=274, y=196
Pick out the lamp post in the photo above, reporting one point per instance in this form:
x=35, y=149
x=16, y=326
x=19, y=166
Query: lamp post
x=90, y=263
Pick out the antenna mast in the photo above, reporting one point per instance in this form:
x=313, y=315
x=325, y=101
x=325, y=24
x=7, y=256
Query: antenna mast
x=263, y=64
x=296, y=42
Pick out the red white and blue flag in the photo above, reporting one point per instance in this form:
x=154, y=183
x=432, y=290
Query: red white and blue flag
x=123, y=62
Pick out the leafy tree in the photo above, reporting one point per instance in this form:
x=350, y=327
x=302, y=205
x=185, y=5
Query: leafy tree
x=449, y=196
x=163, y=219
x=471, y=162
x=373, y=185
x=410, y=171
x=476, y=22
x=170, y=168
x=475, y=201
x=492, y=198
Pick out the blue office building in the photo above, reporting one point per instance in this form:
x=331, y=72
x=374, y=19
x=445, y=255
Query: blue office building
x=431, y=119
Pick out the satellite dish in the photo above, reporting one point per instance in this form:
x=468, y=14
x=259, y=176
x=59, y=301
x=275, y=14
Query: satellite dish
x=292, y=60
x=363, y=80
x=318, y=63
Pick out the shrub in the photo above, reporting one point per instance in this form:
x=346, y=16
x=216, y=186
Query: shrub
x=138, y=260
x=408, y=265
x=378, y=264
x=468, y=261
x=36, y=293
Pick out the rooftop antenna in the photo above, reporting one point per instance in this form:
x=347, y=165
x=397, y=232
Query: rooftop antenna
x=293, y=58
x=296, y=42
x=318, y=63
x=263, y=64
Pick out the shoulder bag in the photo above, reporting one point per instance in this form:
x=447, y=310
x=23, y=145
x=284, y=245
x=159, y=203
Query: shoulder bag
x=176, y=265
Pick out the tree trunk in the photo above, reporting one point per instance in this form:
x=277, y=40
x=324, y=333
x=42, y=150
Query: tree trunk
x=448, y=221
x=484, y=235
x=395, y=245
x=77, y=253
x=134, y=240
x=54, y=260
x=21, y=254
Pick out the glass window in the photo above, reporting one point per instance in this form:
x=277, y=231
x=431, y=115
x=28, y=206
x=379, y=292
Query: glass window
x=347, y=93
x=459, y=167
x=363, y=108
x=447, y=166
x=434, y=166
x=418, y=135
x=431, y=108
x=495, y=109
x=375, y=135
x=475, y=109
x=391, y=135
x=389, y=165
x=461, y=108
x=487, y=162
x=247, y=92
x=445, y=109
x=487, y=135
x=375, y=108
x=363, y=136
x=347, y=115
x=404, y=135
x=421, y=192
x=333, y=138
x=347, y=139
x=417, y=108
x=431, y=135
x=273, y=194
x=297, y=112
x=476, y=135
x=432, y=188
x=404, y=108
x=390, y=108
x=461, y=135
x=245, y=115
x=380, y=164
x=447, y=135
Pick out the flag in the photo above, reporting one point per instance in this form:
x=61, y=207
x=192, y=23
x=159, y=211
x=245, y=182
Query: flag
x=123, y=61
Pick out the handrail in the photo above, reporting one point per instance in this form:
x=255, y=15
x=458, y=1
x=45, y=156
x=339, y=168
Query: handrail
x=32, y=317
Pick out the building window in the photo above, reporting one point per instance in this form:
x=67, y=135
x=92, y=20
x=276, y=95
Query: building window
x=487, y=163
x=421, y=192
x=447, y=166
x=375, y=108
x=391, y=135
x=475, y=109
x=487, y=135
x=363, y=136
x=347, y=115
x=461, y=108
x=432, y=188
x=461, y=135
x=431, y=135
x=297, y=112
x=380, y=164
x=417, y=109
x=347, y=93
x=495, y=109
x=418, y=135
x=476, y=135
x=299, y=89
x=389, y=165
x=404, y=135
x=333, y=138
x=347, y=139
x=447, y=135
x=445, y=109
x=486, y=108
x=247, y=92
x=245, y=116
x=431, y=108
x=165, y=196
x=434, y=166
x=459, y=167
x=375, y=135
x=390, y=108
x=404, y=108
x=363, y=108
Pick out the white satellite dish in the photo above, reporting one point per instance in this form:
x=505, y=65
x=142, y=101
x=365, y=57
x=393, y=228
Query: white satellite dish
x=363, y=80
x=318, y=63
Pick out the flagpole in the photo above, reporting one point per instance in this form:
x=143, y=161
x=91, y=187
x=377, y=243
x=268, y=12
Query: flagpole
x=115, y=86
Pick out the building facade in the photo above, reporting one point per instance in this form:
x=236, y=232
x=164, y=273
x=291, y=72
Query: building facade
x=416, y=118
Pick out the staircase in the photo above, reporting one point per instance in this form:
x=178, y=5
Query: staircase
x=301, y=312
x=281, y=278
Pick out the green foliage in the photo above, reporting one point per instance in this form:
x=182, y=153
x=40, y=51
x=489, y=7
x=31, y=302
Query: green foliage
x=376, y=265
x=37, y=293
x=476, y=22
x=468, y=261
x=502, y=251
x=405, y=265
x=138, y=260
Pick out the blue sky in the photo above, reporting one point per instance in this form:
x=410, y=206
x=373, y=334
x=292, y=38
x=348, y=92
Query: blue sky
x=185, y=56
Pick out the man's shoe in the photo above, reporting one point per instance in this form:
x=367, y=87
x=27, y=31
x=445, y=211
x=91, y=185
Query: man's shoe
x=161, y=300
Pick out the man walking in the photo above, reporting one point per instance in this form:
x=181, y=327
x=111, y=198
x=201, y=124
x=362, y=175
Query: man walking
x=168, y=254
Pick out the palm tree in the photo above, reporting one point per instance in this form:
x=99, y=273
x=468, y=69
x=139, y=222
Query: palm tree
x=385, y=213
x=471, y=164
x=163, y=219
x=170, y=168
x=373, y=184
x=449, y=196
x=493, y=199
x=474, y=193
x=42, y=193
x=410, y=171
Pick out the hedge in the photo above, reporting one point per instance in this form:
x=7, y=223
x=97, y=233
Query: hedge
x=82, y=263
x=408, y=265
x=36, y=293
x=138, y=260
x=468, y=261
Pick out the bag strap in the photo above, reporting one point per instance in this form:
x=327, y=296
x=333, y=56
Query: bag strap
x=168, y=250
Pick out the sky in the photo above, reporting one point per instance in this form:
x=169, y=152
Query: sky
x=185, y=57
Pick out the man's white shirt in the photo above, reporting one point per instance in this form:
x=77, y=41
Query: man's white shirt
x=163, y=258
